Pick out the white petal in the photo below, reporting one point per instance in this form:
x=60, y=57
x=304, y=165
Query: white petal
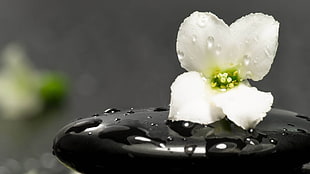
x=204, y=43
x=244, y=105
x=190, y=100
x=257, y=37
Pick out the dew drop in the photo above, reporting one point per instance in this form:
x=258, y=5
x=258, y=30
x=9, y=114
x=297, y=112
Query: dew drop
x=111, y=110
x=218, y=49
x=95, y=115
x=284, y=132
x=80, y=126
x=194, y=38
x=221, y=146
x=154, y=124
x=290, y=124
x=90, y=133
x=246, y=60
x=186, y=124
x=251, y=141
x=302, y=130
x=273, y=141
x=130, y=111
x=169, y=138
x=251, y=130
x=202, y=20
x=248, y=74
x=180, y=54
x=161, y=109
x=210, y=41
x=189, y=149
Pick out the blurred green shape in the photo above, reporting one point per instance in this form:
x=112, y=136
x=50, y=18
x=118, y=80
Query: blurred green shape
x=54, y=88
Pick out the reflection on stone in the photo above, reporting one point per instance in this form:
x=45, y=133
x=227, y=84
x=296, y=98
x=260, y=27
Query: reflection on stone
x=279, y=143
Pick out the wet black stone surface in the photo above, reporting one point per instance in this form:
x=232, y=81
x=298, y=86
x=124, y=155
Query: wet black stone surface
x=142, y=140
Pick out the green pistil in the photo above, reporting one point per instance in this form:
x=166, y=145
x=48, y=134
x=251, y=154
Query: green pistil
x=225, y=80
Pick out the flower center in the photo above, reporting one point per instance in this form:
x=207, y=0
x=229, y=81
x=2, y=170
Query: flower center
x=224, y=80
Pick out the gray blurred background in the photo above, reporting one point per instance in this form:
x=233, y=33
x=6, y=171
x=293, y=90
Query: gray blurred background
x=122, y=54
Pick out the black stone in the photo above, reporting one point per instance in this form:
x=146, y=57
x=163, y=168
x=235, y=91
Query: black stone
x=145, y=141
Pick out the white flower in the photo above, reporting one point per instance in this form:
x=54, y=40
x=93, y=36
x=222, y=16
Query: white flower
x=220, y=59
x=19, y=84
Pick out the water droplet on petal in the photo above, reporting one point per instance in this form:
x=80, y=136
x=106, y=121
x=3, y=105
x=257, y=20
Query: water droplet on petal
x=210, y=41
x=218, y=49
x=202, y=20
x=180, y=54
x=194, y=38
x=246, y=60
x=268, y=53
x=248, y=74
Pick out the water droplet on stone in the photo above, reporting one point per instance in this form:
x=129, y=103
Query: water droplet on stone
x=301, y=130
x=130, y=111
x=246, y=60
x=273, y=141
x=169, y=138
x=160, y=109
x=303, y=117
x=221, y=146
x=95, y=115
x=111, y=110
x=186, y=124
x=189, y=149
x=210, y=41
x=81, y=125
x=154, y=124
x=289, y=124
x=251, y=141
x=284, y=131
x=251, y=130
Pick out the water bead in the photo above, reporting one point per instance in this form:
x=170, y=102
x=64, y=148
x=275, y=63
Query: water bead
x=180, y=54
x=210, y=41
x=246, y=60
x=221, y=146
x=194, y=39
x=218, y=49
x=202, y=20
